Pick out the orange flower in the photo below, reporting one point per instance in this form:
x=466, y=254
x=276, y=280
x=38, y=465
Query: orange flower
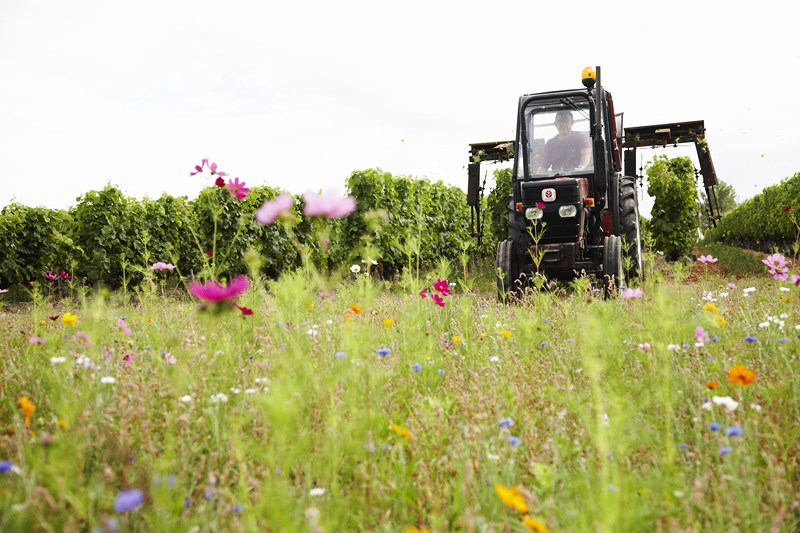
x=355, y=308
x=512, y=497
x=11, y=430
x=402, y=431
x=712, y=385
x=27, y=407
x=742, y=375
x=415, y=529
x=537, y=526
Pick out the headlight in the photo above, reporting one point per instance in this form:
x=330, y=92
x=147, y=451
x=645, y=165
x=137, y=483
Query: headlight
x=534, y=213
x=566, y=211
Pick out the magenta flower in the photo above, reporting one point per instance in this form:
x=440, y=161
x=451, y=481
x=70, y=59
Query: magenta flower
x=211, y=291
x=124, y=326
x=163, y=266
x=777, y=266
x=629, y=293
x=65, y=275
x=441, y=285
x=707, y=259
x=35, y=340
x=423, y=293
x=51, y=276
x=330, y=205
x=438, y=299
x=212, y=169
x=237, y=188
x=700, y=334
x=541, y=205
x=271, y=210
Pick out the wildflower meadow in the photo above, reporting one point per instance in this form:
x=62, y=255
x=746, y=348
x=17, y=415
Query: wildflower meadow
x=336, y=399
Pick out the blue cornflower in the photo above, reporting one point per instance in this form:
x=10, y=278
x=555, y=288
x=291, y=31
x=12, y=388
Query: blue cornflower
x=383, y=352
x=339, y=355
x=417, y=368
x=750, y=338
x=440, y=371
x=733, y=431
x=209, y=493
x=237, y=508
x=783, y=340
x=725, y=450
x=714, y=338
x=187, y=502
x=542, y=344
x=714, y=426
x=683, y=446
x=5, y=466
x=171, y=480
x=514, y=441
x=506, y=422
x=685, y=346
x=128, y=500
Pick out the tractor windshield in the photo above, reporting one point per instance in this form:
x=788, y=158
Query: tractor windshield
x=558, y=137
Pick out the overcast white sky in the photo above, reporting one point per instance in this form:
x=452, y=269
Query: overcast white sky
x=297, y=95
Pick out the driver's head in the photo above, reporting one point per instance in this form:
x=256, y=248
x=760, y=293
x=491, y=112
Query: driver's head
x=564, y=122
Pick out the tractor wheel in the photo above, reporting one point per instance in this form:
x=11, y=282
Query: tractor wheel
x=629, y=227
x=613, y=274
x=507, y=265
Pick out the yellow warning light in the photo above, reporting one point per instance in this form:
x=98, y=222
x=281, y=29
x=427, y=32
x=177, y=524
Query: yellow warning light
x=588, y=77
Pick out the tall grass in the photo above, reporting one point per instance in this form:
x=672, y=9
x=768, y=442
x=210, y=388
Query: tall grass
x=609, y=432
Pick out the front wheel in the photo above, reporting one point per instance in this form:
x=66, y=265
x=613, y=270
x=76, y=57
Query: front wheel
x=629, y=227
x=507, y=265
x=613, y=273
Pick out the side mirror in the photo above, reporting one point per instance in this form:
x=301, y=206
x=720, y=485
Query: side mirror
x=473, y=184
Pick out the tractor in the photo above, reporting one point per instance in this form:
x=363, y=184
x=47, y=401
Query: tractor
x=572, y=210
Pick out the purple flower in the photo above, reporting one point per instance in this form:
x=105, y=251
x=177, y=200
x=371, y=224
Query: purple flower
x=725, y=450
x=339, y=355
x=629, y=293
x=5, y=466
x=506, y=422
x=750, y=338
x=683, y=446
x=128, y=500
x=733, y=431
x=417, y=368
x=271, y=210
x=714, y=426
x=383, y=352
x=329, y=205
x=514, y=441
x=212, y=168
x=440, y=371
x=542, y=344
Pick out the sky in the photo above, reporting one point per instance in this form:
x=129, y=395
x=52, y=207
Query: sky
x=298, y=95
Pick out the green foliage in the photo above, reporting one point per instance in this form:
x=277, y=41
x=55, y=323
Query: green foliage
x=496, y=213
x=674, y=221
x=769, y=220
x=35, y=240
x=110, y=231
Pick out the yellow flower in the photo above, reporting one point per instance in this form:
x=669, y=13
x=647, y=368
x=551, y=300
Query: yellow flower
x=149, y=320
x=512, y=497
x=415, y=529
x=455, y=339
x=27, y=407
x=69, y=319
x=63, y=424
x=537, y=526
x=505, y=333
x=402, y=431
x=720, y=321
x=710, y=306
x=388, y=323
x=42, y=323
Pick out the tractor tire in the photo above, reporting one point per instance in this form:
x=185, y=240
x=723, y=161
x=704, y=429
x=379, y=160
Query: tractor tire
x=507, y=268
x=629, y=228
x=613, y=272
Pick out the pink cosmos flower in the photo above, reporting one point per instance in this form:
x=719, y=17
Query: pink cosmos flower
x=83, y=337
x=330, y=205
x=438, y=299
x=211, y=291
x=163, y=266
x=212, y=169
x=66, y=276
x=707, y=259
x=731, y=285
x=442, y=286
x=795, y=279
x=423, y=293
x=124, y=326
x=237, y=188
x=629, y=293
x=271, y=210
x=644, y=346
x=541, y=205
x=700, y=334
x=777, y=266
x=35, y=340
x=51, y=276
